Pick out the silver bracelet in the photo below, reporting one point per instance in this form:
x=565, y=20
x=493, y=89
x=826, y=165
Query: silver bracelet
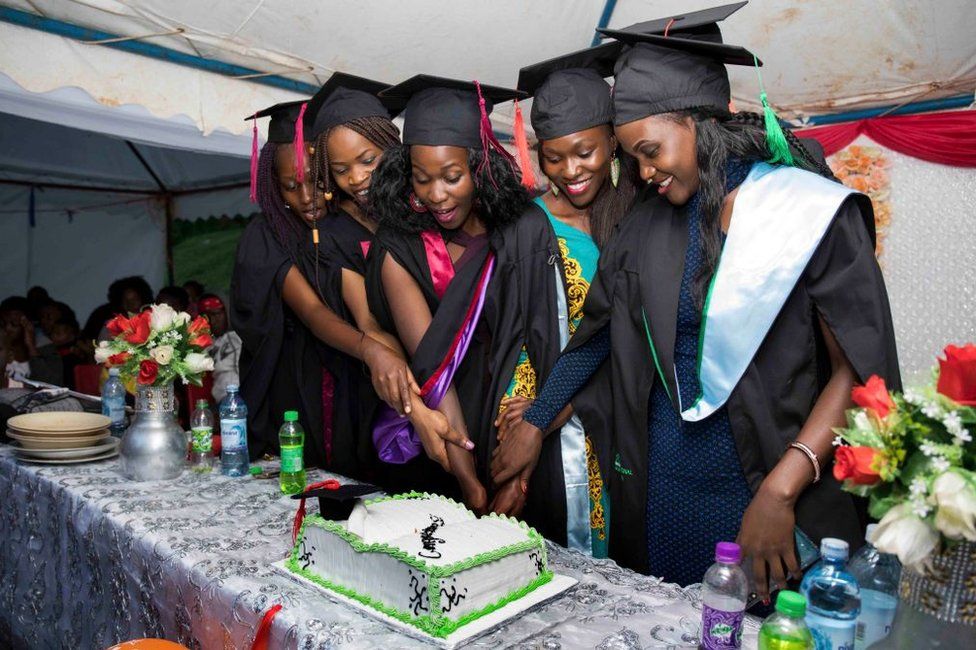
x=810, y=455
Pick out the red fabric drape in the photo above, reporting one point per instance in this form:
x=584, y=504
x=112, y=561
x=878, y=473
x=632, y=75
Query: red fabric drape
x=945, y=138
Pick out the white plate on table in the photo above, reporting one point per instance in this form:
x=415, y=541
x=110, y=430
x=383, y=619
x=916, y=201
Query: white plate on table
x=58, y=423
x=107, y=445
x=59, y=442
x=69, y=461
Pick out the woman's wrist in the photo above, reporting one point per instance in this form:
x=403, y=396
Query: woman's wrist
x=789, y=478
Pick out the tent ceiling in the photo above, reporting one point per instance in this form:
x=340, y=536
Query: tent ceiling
x=821, y=55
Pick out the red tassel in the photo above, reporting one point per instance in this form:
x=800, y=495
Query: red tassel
x=296, y=526
x=522, y=146
x=299, y=144
x=254, y=160
x=263, y=634
x=488, y=139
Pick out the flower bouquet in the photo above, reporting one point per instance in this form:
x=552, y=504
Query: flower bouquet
x=157, y=346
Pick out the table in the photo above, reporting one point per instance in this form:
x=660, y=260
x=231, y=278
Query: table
x=89, y=558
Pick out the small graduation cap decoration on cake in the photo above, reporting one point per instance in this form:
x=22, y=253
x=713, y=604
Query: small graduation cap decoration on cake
x=336, y=500
x=441, y=111
x=286, y=127
x=684, y=67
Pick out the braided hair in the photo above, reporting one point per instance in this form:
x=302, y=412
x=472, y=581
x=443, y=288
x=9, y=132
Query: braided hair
x=719, y=136
x=379, y=130
x=286, y=227
x=498, y=203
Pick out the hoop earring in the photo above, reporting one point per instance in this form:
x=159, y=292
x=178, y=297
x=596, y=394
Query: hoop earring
x=614, y=171
x=416, y=204
x=553, y=188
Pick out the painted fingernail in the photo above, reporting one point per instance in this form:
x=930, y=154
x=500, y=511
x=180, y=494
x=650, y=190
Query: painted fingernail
x=766, y=602
x=468, y=445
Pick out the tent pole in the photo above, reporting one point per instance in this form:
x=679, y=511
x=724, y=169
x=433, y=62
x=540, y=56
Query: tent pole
x=168, y=203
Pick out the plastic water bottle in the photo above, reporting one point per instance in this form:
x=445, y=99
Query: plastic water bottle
x=233, y=434
x=113, y=402
x=201, y=441
x=877, y=575
x=785, y=628
x=725, y=591
x=833, y=598
x=291, y=439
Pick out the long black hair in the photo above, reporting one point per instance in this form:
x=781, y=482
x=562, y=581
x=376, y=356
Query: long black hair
x=497, y=203
x=288, y=228
x=721, y=135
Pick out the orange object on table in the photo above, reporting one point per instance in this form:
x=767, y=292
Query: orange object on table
x=148, y=644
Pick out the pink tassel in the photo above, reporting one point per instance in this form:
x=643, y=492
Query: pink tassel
x=254, y=160
x=488, y=139
x=300, y=144
x=522, y=146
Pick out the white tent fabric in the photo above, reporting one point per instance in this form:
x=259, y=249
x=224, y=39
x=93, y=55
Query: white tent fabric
x=820, y=56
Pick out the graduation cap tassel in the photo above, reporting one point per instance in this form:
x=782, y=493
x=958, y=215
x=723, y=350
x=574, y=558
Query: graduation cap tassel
x=299, y=144
x=522, y=146
x=254, y=160
x=488, y=139
x=296, y=527
x=779, y=148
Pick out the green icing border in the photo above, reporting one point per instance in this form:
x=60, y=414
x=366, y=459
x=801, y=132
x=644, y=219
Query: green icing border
x=436, y=625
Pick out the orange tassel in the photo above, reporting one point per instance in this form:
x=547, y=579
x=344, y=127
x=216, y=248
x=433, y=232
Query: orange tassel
x=522, y=147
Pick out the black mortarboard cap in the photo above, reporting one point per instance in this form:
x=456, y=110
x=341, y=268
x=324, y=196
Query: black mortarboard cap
x=684, y=69
x=281, y=129
x=570, y=92
x=344, y=97
x=440, y=111
x=335, y=505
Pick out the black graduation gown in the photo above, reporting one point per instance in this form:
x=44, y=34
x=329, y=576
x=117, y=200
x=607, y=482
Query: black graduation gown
x=280, y=368
x=343, y=245
x=642, y=268
x=522, y=309
x=448, y=316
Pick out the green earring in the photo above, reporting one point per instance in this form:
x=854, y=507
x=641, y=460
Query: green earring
x=614, y=170
x=553, y=189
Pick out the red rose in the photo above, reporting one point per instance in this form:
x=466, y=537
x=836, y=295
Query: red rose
x=874, y=395
x=118, y=359
x=199, y=325
x=855, y=464
x=202, y=341
x=957, y=374
x=117, y=325
x=138, y=332
x=148, y=370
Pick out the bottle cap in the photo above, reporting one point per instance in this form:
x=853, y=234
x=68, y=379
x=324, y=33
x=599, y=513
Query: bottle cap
x=791, y=604
x=254, y=470
x=291, y=416
x=728, y=553
x=832, y=548
x=232, y=388
x=113, y=372
x=869, y=533
x=203, y=404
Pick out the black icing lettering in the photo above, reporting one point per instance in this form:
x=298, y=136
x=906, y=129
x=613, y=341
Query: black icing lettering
x=428, y=541
x=536, y=557
x=418, y=602
x=449, y=599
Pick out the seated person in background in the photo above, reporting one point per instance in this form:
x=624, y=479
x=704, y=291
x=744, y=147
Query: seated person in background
x=175, y=297
x=51, y=312
x=73, y=352
x=195, y=291
x=125, y=296
x=25, y=356
x=226, y=348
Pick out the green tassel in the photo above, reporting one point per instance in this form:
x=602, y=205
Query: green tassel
x=779, y=148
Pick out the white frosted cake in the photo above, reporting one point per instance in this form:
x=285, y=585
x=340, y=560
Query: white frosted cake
x=423, y=559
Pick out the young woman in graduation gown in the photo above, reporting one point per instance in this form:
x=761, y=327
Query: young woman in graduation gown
x=437, y=198
x=546, y=262
x=278, y=313
x=738, y=304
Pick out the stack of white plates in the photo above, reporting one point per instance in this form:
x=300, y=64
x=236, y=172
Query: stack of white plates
x=62, y=437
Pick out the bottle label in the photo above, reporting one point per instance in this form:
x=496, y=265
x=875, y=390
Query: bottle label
x=202, y=439
x=831, y=633
x=877, y=615
x=291, y=459
x=721, y=629
x=233, y=434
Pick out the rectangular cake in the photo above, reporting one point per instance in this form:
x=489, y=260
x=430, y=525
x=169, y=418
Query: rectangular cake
x=423, y=559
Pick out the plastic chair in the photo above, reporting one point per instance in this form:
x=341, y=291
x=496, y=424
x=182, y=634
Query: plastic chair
x=86, y=378
x=148, y=644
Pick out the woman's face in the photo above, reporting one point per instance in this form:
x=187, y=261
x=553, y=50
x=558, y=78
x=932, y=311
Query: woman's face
x=443, y=182
x=579, y=163
x=11, y=321
x=131, y=301
x=47, y=316
x=299, y=197
x=666, y=154
x=352, y=159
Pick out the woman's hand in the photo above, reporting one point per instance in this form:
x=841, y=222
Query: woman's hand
x=390, y=374
x=514, y=409
x=474, y=495
x=436, y=433
x=518, y=454
x=510, y=498
x=766, y=536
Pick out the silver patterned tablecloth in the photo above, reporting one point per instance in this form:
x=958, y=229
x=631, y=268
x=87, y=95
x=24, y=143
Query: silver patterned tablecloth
x=88, y=559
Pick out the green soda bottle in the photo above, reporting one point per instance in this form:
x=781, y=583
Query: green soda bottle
x=785, y=628
x=291, y=438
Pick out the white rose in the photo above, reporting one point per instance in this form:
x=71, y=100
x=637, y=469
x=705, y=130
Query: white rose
x=103, y=352
x=196, y=362
x=162, y=317
x=956, y=514
x=162, y=354
x=181, y=318
x=902, y=533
